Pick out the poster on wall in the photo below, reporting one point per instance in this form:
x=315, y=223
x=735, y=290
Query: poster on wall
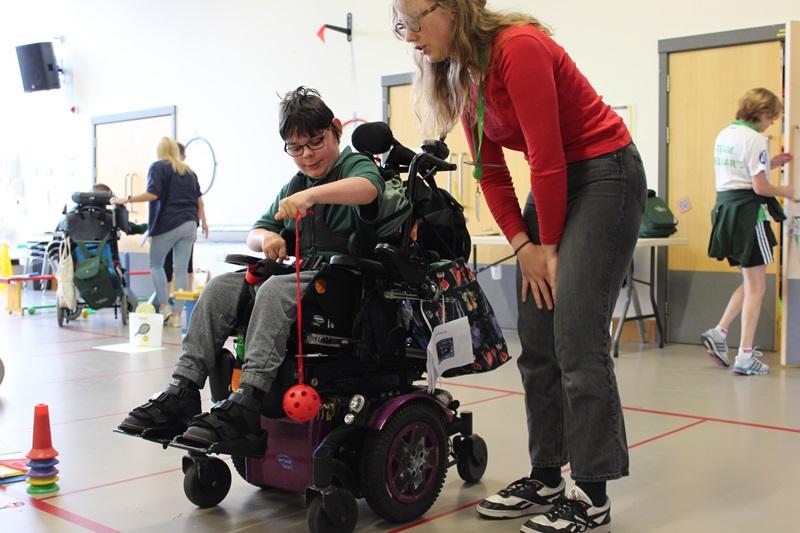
x=626, y=113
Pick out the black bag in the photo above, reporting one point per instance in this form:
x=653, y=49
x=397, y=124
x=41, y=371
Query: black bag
x=442, y=226
x=462, y=296
x=98, y=287
x=658, y=220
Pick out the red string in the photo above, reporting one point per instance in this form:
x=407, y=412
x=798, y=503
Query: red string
x=299, y=299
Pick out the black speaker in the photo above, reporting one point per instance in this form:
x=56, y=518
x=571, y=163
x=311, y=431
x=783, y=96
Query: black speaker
x=37, y=64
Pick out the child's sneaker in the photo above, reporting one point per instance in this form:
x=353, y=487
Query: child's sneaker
x=173, y=321
x=573, y=514
x=716, y=346
x=750, y=366
x=523, y=497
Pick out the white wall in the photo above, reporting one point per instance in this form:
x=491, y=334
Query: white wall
x=222, y=64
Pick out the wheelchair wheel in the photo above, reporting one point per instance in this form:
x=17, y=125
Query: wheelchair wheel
x=2, y=371
x=403, y=466
x=206, y=482
x=60, y=315
x=472, y=456
x=338, y=515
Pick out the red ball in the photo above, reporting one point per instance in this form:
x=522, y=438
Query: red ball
x=301, y=403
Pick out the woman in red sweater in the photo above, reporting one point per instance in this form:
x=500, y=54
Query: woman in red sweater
x=512, y=86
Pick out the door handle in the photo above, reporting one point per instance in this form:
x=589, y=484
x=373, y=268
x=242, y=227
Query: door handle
x=460, y=177
x=450, y=175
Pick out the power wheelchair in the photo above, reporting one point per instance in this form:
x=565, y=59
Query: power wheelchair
x=379, y=434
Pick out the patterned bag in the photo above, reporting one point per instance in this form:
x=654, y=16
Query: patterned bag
x=460, y=295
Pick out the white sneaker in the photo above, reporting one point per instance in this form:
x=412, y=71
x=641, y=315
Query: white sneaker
x=750, y=366
x=573, y=514
x=716, y=347
x=523, y=497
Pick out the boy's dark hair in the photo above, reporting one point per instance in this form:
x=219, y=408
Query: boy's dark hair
x=302, y=112
x=101, y=187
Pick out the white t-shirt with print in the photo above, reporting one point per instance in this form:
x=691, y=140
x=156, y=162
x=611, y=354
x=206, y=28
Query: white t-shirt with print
x=740, y=152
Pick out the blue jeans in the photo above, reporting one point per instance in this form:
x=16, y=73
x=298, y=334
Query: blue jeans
x=571, y=397
x=180, y=241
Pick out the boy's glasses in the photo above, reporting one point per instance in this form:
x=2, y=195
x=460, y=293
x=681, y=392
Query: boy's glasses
x=296, y=150
x=412, y=23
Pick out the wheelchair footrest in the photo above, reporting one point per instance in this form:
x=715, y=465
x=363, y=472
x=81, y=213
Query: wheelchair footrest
x=156, y=436
x=243, y=447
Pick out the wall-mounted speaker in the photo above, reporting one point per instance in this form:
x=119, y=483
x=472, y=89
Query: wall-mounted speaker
x=37, y=64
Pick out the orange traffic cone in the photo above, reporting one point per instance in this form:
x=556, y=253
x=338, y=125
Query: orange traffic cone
x=42, y=449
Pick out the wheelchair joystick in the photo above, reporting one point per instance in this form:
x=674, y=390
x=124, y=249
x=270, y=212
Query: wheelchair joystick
x=301, y=402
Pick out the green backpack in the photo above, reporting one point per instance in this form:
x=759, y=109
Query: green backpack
x=658, y=220
x=97, y=286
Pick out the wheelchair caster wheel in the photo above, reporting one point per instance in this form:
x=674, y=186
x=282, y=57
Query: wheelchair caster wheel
x=206, y=481
x=333, y=512
x=472, y=457
x=61, y=314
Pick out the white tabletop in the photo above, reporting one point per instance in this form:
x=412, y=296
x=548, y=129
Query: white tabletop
x=499, y=240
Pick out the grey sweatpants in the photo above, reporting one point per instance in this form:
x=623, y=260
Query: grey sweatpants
x=214, y=320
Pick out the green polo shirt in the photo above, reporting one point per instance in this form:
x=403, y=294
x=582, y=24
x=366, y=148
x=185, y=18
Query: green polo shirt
x=339, y=218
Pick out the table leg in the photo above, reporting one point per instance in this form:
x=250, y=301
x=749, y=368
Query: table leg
x=659, y=326
x=14, y=297
x=628, y=297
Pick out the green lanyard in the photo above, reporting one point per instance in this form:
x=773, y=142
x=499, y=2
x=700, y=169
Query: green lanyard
x=477, y=141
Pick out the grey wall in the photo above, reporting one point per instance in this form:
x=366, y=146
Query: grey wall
x=696, y=301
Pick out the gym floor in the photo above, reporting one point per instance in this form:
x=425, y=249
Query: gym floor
x=710, y=451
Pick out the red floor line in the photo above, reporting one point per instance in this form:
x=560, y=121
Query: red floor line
x=113, y=336
x=648, y=411
x=55, y=343
x=480, y=387
x=752, y=425
x=667, y=434
x=112, y=483
x=58, y=512
x=87, y=378
x=563, y=470
x=487, y=399
x=50, y=354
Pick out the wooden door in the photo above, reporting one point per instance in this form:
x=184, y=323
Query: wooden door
x=459, y=183
x=790, y=330
x=704, y=89
x=124, y=152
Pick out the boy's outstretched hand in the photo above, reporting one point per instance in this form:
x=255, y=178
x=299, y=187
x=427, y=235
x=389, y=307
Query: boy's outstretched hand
x=299, y=202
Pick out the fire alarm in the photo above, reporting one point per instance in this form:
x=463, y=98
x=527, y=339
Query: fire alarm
x=73, y=109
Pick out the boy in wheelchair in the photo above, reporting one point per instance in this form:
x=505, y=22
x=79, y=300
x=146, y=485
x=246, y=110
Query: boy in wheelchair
x=340, y=192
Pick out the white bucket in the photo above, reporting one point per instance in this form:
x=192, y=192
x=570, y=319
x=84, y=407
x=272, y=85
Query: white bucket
x=145, y=329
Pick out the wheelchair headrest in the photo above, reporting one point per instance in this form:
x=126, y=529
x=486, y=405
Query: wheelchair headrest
x=96, y=199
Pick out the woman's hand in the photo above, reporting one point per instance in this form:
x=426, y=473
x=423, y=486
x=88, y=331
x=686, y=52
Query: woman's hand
x=274, y=247
x=118, y=201
x=204, y=228
x=538, y=265
x=299, y=202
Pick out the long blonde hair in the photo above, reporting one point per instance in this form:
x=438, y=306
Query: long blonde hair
x=441, y=90
x=168, y=151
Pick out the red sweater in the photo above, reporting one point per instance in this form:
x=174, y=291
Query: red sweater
x=539, y=103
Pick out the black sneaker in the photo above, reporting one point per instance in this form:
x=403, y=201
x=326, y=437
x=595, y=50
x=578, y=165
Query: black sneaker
x=523, y=497
x=573, y=514
x=165, y=414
